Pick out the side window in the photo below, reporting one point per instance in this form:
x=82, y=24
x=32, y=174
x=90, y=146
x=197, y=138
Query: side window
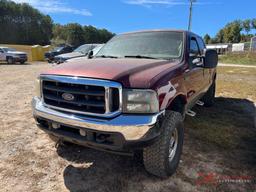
x=194, y=58
x=201, y=45
x=194, y=46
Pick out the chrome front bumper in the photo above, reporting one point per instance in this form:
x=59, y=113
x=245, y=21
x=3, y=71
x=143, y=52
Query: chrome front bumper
x=132, y=127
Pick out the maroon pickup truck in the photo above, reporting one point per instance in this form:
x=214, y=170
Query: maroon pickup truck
x=132, y=96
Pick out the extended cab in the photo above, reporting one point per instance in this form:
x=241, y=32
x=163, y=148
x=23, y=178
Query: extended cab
x=12, y=56
x=133, y=95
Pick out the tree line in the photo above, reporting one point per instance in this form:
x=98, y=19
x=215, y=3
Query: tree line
x=234, y=32
x=20, y=23
x=76, y=34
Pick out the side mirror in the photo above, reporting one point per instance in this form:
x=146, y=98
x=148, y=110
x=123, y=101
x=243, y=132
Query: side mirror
x=90, y=54
x=211, y=59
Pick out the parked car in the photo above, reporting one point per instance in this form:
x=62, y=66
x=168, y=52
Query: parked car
x=81, y=51
x=11, y=55
x=49, y=56
x=133, y=95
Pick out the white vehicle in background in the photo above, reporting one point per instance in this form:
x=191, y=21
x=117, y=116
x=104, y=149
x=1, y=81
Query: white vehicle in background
x=12, y=56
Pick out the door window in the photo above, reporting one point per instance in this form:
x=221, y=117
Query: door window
x=195, y=59
x=194, y=47
x=201, y=45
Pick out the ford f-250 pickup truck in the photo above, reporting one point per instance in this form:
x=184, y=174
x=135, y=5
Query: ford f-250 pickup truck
x=133, y=95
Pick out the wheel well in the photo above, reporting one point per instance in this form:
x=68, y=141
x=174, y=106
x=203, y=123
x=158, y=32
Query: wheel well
x=178, y=104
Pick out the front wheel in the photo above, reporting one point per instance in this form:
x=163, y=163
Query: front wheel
x=22, y=62
x=162, y=158
x=10, y=60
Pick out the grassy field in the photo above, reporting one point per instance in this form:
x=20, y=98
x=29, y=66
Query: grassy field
x=234, y=109
x=239, y=58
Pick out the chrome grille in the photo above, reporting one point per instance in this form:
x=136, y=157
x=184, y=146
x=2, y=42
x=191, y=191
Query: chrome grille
x=82, y=95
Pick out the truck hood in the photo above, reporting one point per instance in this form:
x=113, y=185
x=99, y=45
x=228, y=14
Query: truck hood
x=16, y=52
x=71, y=55
x=132, y=73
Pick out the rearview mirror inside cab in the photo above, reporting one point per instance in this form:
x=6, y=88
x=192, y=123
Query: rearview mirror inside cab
x=211, y=58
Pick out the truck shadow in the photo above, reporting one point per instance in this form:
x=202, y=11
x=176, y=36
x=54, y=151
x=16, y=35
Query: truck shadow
x=91, y=170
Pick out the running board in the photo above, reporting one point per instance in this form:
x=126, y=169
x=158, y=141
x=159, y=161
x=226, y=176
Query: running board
x=191, y=113
x=200, y=103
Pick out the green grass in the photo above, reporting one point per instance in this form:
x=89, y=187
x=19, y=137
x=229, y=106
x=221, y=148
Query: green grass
x=230, y=122
x=225, y=125
x=245, y=58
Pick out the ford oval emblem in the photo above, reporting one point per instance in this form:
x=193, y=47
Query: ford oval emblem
x=68, y=96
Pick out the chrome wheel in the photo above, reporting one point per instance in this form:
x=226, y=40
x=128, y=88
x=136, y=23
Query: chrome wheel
x=173, y=144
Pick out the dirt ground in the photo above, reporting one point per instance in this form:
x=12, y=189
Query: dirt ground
x=218, y=155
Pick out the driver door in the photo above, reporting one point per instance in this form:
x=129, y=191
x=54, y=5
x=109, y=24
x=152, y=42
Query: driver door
x=194, y=76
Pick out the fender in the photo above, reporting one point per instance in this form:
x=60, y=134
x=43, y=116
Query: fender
x=171, y=90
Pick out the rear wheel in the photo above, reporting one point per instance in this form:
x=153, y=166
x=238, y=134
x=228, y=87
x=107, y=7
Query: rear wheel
x=209, y=97
x=162, y=158
x=10, y=60
x=22, y=62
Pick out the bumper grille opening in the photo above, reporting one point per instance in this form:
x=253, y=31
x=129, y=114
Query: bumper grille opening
x=80, y=98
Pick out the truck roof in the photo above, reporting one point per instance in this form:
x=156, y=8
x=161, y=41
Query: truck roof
x=161, y=30
x=156, y=30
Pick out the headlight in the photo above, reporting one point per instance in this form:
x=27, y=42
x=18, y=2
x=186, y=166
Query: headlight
x=140, y=101
x=38, y=87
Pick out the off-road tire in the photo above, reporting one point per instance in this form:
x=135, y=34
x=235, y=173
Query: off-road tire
x=156, y=156
x=10, y=60
x=209, y=97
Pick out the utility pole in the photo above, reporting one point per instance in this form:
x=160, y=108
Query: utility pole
x=190, y=14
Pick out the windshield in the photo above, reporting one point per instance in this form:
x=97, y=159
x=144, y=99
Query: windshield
x=8, y=49
x=157, y=45
x=97, y=49
x=83, y=49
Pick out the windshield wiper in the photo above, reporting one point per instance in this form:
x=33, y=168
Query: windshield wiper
x=140, y=57
x=106, y=56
